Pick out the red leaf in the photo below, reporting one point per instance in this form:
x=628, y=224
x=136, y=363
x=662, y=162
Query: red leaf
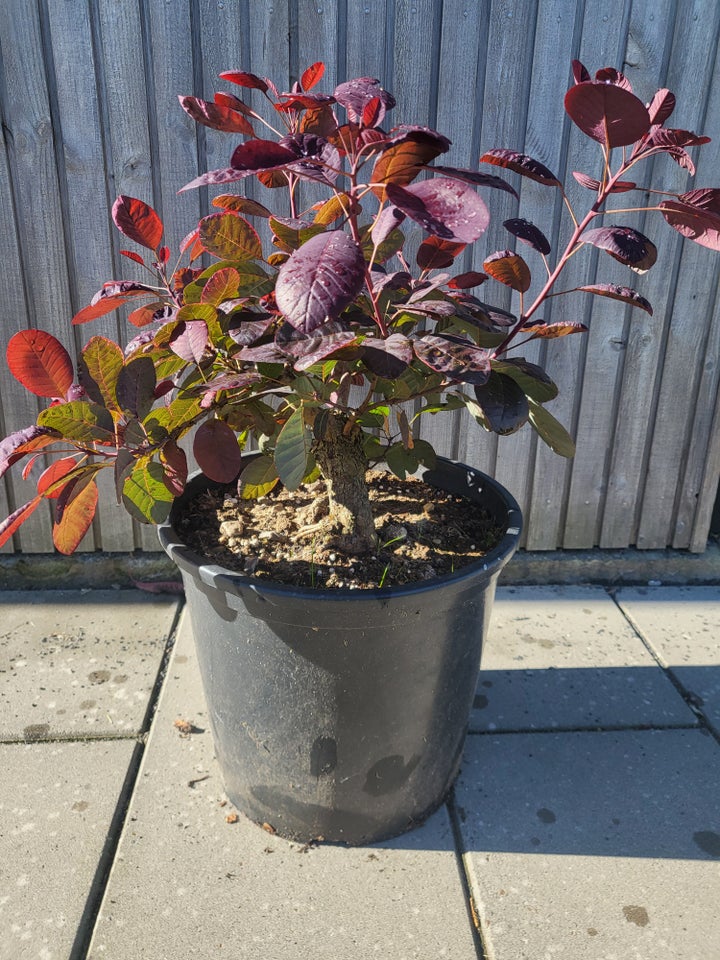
x=509, y=268
x=253, y=157
x=40, y=362
x=435, y=253
x=16, y=519
x=243, y=79
x=230, y=201
x=607, y=113
x=138, y=221
x=56, y=471
x=463, y=281
x=74, y=513
x=217, y=116
x=133, y=256
x=550, y=331
x=217, y=451
x=312, y=75
x=364, y=94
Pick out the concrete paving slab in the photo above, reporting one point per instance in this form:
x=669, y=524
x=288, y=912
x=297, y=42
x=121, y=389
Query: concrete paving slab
x=565, y=657
x=57, y=802
x=594, y=846
x=682, y=625
x=186, y=883
x=79, y=662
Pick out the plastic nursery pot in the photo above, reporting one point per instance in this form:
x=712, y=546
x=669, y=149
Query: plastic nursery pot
x=341, y=714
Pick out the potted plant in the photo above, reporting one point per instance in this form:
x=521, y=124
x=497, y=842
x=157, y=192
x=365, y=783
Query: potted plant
x=336, y=712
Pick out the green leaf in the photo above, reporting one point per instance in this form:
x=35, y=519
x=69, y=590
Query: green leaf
x=145, y=494
x=258, y=478
x=230, y=237
x=79, y=422
x=551, y=431
x=531, y=379
x=100, y=364
x=425, y=453
x=292, y=451
x=400, y=460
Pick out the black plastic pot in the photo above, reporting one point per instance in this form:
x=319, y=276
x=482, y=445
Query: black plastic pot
x=342, y=714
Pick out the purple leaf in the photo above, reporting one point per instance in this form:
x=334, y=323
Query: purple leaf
x=696, y=215
x=503, y=403
x=308, y=147
x=217, y=451
x=254, y=156
x=319, y=280
x=476, y=178
x=620, y=186
x=607, y=113
x=628, y=246
x=580, y=73
x=624, y=294
x=135, y=390
x=189, y=339
x=247, y=327
x=611, y=75
x=24, y=441
x=356, y=94
x=661, y=106
x=454, y=357
x=318, y=347
x=387, y=358
x=446, y=208
x=389, y=218
x=522, y=164
x=528, y=233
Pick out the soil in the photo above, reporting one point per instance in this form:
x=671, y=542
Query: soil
x=422, y=533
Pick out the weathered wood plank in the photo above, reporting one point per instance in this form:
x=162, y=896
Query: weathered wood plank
x=647, y=343
x=38, y=218
x=644, y=64
x=692, y=299
x=79, y=82
x=602, y=43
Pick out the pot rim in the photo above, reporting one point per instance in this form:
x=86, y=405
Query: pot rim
x=222, y=578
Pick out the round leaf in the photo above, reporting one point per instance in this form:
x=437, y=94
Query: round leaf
x=509, y=268
x=40, y=363
x=447, y=208
x=319, y=280
x=138, y=221
x=230, y=237
x=607, y=113
x=217, y=451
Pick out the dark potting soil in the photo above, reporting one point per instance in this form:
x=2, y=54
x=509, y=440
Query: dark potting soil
x=422, y=533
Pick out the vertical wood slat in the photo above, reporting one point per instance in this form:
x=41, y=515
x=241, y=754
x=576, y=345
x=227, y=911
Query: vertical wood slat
x=38, y=223
x=602, y=377
x=486, y=74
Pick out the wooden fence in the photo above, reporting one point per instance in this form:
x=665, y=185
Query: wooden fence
x=88, y=102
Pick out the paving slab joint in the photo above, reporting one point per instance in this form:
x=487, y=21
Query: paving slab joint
x=462, y=867
x=688, y=696
x=91, y=911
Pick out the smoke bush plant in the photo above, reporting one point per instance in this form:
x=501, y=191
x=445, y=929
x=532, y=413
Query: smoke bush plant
x=272, y=342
